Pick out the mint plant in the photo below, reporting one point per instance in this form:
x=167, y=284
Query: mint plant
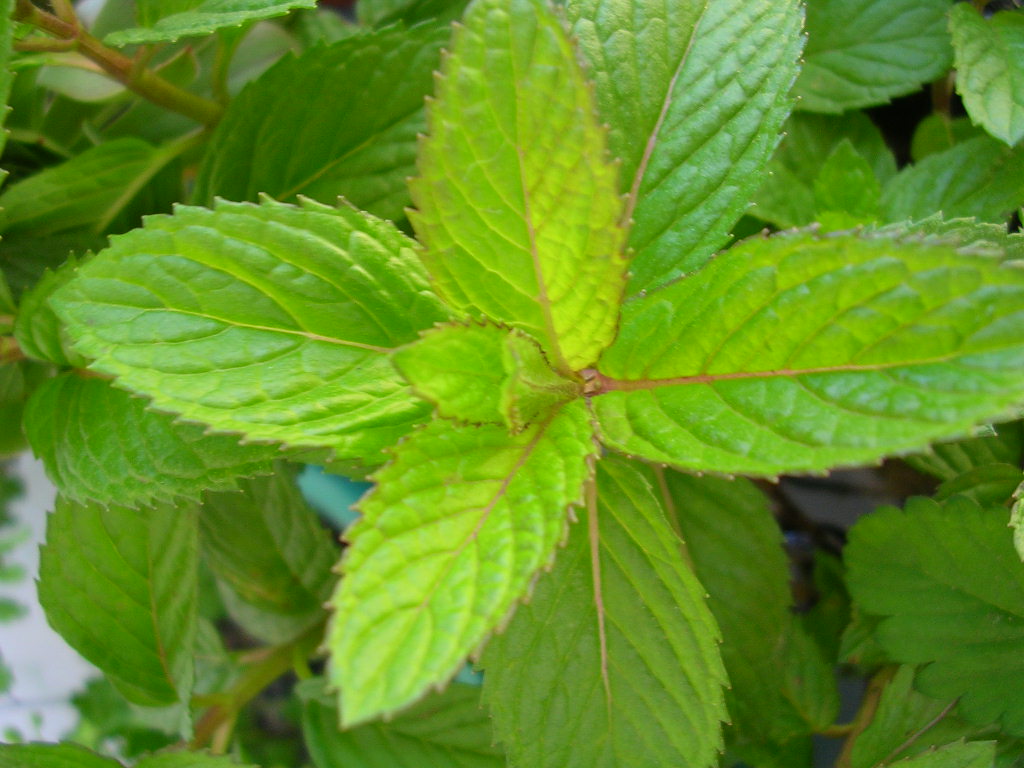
x=567, y=379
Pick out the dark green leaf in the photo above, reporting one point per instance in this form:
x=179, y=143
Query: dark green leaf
x=120, y=586
x=988, y=485
x=272, y=320
x=190, y=760
x=6, y=80
x=52, y=756
x=695, y=94
x=613, y=661
x=973, y=754
x=444, y=730
x=938, y=132
x=382, y=12
x=846, y=190
x=334, y=133
x=99, y=443
x=949, y=460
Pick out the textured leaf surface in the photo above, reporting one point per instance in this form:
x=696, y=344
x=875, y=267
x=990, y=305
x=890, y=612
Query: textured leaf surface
x=450, y=539
x=990, y=485
x=446, y=730
x=85, y=191
x=861, y=52
x=797, y=353
x=484, y=374
x=317, y=125
x=99, y=443
x=736, y=550
x=201, y=17
x=964, y=232
x=787, y=196
x=119, y=585
x=973, y=754
x=517, y=200
x=695, y=93
x=614, y=659
x=989, y=58
x=270, y=548
x=951, y=589
x=846, y=190
x=52, y=756
x=982, y=178
x=948, y=460
x=39, y=333
x=273, y=321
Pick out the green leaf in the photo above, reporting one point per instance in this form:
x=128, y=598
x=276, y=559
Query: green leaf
x=452, y=536
x=1017, y=520
x=378, y=13
x=972, y=754
x=989, y=485
x=801, y=353
x=482, y=374
x=938, y=132
x=989, y=58
x=38, y=331
x=89, y=190
x=959, y=182
x=274, y=321
x=445, y=730
x=518, y=203
x=6, y=79
x=333, y=132
x=192, y=18
x=736, y=549
x=52, y=756
x=786, y=197
x=189, y=760
x=963, y=232
x=949, y=460
x=695, y=93
x=862, y=52
x=614, y=659
x=846, y=190
x=950, y=587
x=100, y=444
x=269, y=547
x=119, y=585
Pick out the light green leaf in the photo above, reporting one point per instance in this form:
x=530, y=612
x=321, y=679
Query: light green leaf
x=950, y=587
x=484, y=374
x=938, y=132
x=38, y=331
x=190, y=760
x=445, y=730
x=736, y=549
x=863, y=52
x=972, y=754
x=269, y=547
x=846, y=190
x=119, y=585
x=963, y=232
x=52, y=756
x=89, y=190
x=6, y=79
x=333, y=132
x=801, y=353
x=614, y=660
x=989, y=58
x=786, y=197
x=948, y=460
x=192, y=18
x=695, y=93
x=273, y=321
x=452, y=536
x=1017, y=520
x=959, y=183
x=100, y=444
x=518, y=203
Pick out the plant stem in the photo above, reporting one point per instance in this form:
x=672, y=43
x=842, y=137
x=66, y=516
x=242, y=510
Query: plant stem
x=141, y=81
x=268, y=664
x=866, y=714
x=10, y=352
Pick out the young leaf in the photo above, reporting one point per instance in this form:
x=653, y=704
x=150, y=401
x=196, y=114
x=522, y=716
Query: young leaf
x=483, y=374
x=971, y=754
x=272, y=320
x=862, y=52
x=939, y=132
x=736, y=551
x=787, y=197
x=695, y=93
x=959, y=183
x=800, y=353
x=614, y=660
x=452, y=536
x=268, y=546
x=445, y=730
x=38, y=331
x=169, y=21
x=950, y=587
x=52, y=756
x=989, y=58
x=518, y=204
x=100, y=444
x=949, y=460
x=332, y=132
x=846, y=190
x=119, y=585
x=89, y=190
